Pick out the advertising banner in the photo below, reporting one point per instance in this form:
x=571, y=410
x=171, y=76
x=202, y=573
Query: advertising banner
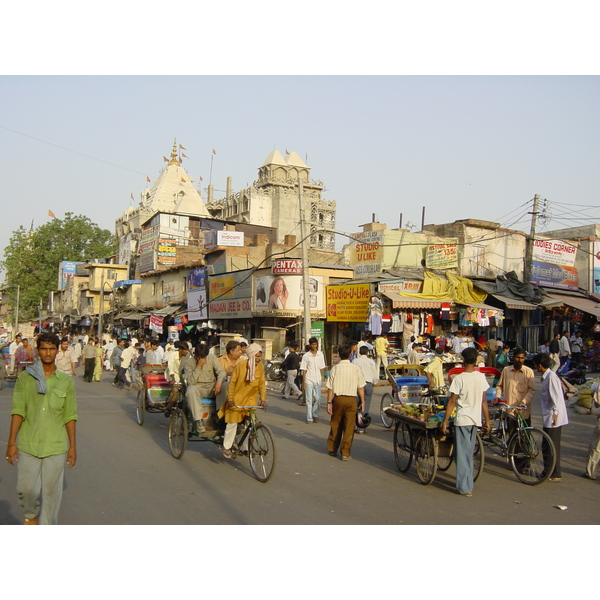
x=156, y=323
x=553, y=264
x=196, y=303
x=596, y=286
x=286, y=266
x=348, y=303
x=366, y=253
x=230, y=296
x=166, y=251
x=441, y=256
x=196, y=294
x=285, y=293
x=66, y=271
x=215, y=238
x=401, y=286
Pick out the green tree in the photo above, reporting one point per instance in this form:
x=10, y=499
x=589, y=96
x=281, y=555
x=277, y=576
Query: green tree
x=31, y=258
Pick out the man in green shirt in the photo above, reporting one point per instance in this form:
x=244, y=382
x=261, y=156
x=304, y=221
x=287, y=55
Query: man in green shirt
x=44, y=414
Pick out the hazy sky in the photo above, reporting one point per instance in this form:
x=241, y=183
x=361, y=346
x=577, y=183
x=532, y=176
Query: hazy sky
x=460, y=146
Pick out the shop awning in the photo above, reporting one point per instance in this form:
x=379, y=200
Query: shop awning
x=514, y=303
x=585, y=304
x=132, y=316
x=404, y=302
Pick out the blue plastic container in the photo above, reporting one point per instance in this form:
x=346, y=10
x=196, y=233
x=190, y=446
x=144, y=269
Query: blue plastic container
x=405, y=380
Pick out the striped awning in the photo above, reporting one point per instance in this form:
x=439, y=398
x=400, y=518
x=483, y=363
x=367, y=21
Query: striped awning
x=405, y=302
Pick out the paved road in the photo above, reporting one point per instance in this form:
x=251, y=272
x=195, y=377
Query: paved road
x=126, y=475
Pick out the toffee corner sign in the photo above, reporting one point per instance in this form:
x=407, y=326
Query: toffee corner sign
x=287, y=266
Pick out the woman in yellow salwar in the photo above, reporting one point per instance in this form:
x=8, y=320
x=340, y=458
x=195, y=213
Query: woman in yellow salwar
x=247, y=381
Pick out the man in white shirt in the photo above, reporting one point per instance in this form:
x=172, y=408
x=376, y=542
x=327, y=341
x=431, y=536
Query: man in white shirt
x=467, y=395
x=564, y=349
x=369, y=370
x=311, y=367
x=153, y=356
x=126, y=357
x=13, y=348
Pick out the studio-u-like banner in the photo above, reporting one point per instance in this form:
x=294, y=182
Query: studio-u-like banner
x=553, y=264
x=348, y=303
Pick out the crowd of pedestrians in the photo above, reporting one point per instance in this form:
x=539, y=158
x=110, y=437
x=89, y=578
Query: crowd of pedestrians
x=238, y=377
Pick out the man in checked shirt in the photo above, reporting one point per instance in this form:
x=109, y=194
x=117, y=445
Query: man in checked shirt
x=344, y=383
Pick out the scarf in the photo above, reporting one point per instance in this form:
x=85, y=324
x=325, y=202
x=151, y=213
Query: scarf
x=36, y=370
x=251, y=351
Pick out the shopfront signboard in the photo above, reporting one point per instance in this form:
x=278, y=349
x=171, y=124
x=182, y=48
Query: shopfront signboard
x=348, y=303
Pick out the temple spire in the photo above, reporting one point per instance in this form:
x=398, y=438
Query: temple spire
x=174, y=160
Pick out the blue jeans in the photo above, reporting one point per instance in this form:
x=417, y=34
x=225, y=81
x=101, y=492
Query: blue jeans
x=312, y=397
x=464, y=445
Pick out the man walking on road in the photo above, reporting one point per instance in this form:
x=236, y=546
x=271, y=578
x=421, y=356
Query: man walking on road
x=369, y=371
x=42, y=434
x=65, y=361
x=381, y=351
x=344, y=383
x=312, y=366
x=89, y=360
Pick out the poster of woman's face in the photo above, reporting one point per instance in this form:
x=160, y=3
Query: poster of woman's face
x=284, y=292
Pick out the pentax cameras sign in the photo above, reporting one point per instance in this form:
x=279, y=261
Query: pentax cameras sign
x=286, y=266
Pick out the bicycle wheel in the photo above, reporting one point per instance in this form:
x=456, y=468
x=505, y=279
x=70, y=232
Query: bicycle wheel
x=140, y=407
x=531, y=456
x=478, y=458
x=402, y=446
x=178, y=433
x=261, y=452
x=426, y=452
x=386, y=400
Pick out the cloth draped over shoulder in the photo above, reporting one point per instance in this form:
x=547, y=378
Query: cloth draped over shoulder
x=243, y=392
x=36, y=370
x=451, y=288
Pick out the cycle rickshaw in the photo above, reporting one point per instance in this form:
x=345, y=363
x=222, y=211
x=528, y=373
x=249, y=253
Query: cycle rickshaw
x=254, y=439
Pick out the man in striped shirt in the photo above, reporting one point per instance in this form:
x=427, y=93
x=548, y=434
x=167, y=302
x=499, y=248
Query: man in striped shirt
x=344, y=383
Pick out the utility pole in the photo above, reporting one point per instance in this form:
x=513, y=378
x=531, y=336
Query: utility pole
x=530, y=241
x=101, y=307
x=304, y=246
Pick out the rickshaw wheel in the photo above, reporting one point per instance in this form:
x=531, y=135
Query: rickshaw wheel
x=140, y=407
x=386, y=400
x=261, y=453
x=426, y=457
x=402, y=447
x=178, y=433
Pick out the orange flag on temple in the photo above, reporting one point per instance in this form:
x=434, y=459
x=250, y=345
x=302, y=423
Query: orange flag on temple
x=184, y=155
x=182, y=179
x=214, y=151
x=200, y=178
x=181, y=147
x=51, y=214
x=132, y=196
x=165, y=159
x=148, y=178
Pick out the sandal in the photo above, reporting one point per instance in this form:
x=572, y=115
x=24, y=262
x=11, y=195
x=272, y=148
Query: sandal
x=226, y=452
